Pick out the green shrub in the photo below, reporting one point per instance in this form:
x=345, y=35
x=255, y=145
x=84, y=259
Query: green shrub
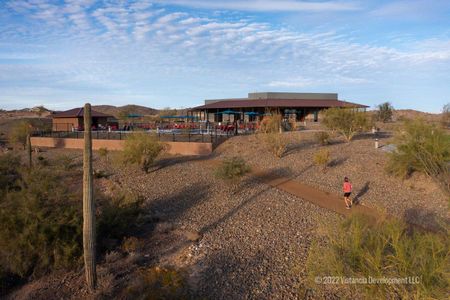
x=19, y=132
x=9, y=172
x=277, y=143
x=423, y=148
x=322, y=137
x=232, y=168
x=346, y=121
x=142, y=149
x=322, y=158
x=384, y=112
x=41, y=218
x=384, y=248
x=118, y=216
x=40, y=225
x=445, y=119
x=103, y=152
x=158, y=283
x=131, y=245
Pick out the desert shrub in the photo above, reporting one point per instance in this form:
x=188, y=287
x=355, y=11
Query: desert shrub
x=103, y=152
x=277, y=143
x=118, y=216
x=40, y=225
x=232, y=168
x=384, y=112
x=9, y=172
x=66, y=161
x=271, y=124
x=361, y=247
x=347, y=122
x=423, y=148
x=322, y=137
x=446, y=116
x=158, y=283
x=131, y=245
x=322, y=158
x=142, y=149
x=19, y=132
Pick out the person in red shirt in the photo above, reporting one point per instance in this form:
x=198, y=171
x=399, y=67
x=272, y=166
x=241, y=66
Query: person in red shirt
x=347, y=188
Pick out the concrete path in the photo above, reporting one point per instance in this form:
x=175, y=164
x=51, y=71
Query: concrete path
x=311, y=194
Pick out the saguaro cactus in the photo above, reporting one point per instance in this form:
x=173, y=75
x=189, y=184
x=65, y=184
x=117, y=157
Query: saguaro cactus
x=28, y=147
x=88, y=203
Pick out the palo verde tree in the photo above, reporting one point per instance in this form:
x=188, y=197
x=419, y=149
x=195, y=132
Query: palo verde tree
x=19, y=133
x=446, y=115
x=346, y=121
x=384, y=112
x=88, y=203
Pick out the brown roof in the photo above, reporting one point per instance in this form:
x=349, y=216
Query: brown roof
x=278, y=103
x=79, y=113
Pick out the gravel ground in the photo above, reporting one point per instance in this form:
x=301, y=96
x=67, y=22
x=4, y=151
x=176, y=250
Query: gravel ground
x=254, y=239
x=361, y=162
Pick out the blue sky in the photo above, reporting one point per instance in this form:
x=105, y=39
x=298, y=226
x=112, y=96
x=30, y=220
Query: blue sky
x=175, y=53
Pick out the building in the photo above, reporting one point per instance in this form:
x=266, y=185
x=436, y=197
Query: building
x=301, y=106
x=73, y=119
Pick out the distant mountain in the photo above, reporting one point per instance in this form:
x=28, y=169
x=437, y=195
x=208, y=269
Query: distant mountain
x=126, y=109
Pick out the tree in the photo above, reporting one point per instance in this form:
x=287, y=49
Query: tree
x=346, y=121
x=446, y=115
x=385, y=112
x=142, y=149
x=88, y=203
x=29, y=152
x=422, y=147
x=19, y=133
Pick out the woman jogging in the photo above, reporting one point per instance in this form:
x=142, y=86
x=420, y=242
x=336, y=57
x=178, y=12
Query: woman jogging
x=347, y=188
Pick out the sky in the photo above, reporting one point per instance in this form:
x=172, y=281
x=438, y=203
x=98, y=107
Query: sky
x=176, y=53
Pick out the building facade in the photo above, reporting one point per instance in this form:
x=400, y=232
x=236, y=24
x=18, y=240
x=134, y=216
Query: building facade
x=301, y=106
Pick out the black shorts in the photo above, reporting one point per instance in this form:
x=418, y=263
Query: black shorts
x=347, y=194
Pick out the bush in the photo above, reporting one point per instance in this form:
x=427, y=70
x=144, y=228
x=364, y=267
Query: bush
x=131, y=245
x=142, y=149
x=384, y=112
x=158, y=283
x=40, y=225
x=423, y=148
x=103, y=152
x=41, y=219
x=322, y=137
x=446, y=116
x=346, y=121
x=271, y=124
x=322, y=158
x=19, y=132
x=277, y=143
x=9, y=172
x=384, y=248
x=232, y=168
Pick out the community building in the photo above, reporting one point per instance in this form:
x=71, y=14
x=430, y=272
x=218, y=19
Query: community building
x=301, y=106
x=72, y=119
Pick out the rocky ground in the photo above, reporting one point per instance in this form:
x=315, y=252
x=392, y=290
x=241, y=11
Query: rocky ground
x=244, y=240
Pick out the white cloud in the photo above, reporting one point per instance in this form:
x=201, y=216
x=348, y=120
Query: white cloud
x=267, y=5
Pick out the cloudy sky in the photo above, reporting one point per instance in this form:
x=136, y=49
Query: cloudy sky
x=178, y=52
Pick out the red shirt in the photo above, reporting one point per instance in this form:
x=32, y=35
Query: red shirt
x=347, y=187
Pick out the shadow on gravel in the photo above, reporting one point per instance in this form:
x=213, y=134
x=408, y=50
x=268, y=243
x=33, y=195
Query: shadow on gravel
x=370, y=136
x=338, y=161
x=231, y=275
x=425, y=219
x=297, y=147
x=170, y=161
x=362, y=192
x=172, y=207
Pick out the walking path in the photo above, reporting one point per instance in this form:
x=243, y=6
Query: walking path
x=312, y=194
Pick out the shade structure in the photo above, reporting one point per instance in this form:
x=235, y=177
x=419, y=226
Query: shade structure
x=228, y=112
x=178, y=117
x=134, y=116
x=252, y=113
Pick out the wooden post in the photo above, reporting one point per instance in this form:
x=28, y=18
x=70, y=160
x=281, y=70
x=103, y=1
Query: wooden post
x=88, y=203
x=28, y=146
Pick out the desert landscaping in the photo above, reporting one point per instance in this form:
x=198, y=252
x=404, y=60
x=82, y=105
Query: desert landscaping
x=191, y=234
